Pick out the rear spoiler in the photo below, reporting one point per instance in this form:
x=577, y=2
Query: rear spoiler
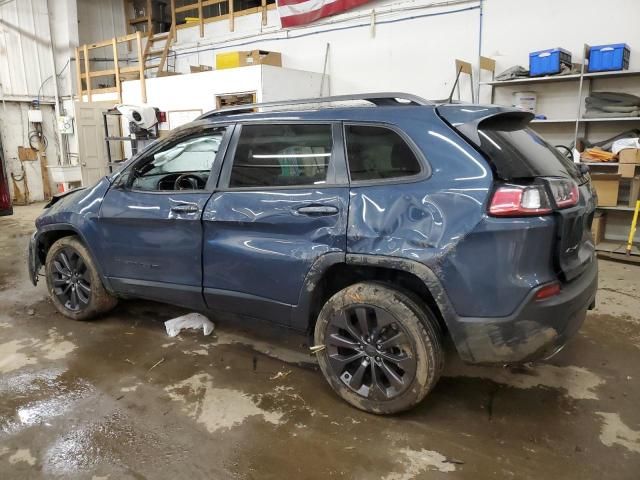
x=484, y=126
x=467, y=119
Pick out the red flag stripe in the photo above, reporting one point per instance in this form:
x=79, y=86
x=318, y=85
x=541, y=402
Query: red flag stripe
x=324, y=11
x=282, y=3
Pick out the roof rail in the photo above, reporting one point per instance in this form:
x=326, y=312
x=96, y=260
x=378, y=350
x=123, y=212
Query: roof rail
x=383, y=99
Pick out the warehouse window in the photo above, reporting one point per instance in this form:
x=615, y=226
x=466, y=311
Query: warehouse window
x=377, y=153
x=282, y=155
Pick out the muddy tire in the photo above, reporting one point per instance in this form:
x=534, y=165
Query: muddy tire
x=73, y=281
x=383, y=351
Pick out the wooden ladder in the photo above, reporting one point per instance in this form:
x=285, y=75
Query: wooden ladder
x=150, y=53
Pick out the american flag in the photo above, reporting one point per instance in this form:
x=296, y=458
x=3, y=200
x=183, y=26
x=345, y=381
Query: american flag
x=300, y=12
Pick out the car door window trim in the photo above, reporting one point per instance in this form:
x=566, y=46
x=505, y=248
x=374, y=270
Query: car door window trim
x=227, y=132
x=336, y=168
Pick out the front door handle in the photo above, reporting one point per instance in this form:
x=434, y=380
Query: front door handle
x=318, y=210
x=185, y=209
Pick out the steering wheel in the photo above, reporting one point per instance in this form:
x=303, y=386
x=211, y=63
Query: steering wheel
x=188, y=181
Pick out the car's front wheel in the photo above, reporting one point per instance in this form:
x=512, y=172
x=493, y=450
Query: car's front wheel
x=73, y=281
x=382, y=351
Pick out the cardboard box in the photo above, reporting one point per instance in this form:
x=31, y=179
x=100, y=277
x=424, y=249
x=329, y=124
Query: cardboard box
x=627, y=170
x=606, y=186
x=598, y=226
x=200, y=68
x=247, y=58
x=27, y=154
x=629, y=155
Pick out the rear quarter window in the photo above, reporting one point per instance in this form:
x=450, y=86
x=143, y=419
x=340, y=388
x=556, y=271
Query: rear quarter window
x=377, y=153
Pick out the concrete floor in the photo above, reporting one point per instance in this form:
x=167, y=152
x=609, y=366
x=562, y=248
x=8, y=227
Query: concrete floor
x=117, y=398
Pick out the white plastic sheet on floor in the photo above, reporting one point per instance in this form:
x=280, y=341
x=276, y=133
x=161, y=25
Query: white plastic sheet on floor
x=190, y=320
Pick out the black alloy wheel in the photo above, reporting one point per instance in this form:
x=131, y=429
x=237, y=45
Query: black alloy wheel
x=71, y=280
x=382, y=347
x=370, y=352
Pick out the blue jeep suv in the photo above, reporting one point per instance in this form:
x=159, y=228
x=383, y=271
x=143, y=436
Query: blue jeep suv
x=380, y=224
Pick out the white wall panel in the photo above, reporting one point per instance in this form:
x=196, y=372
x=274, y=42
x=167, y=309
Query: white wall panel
x=410, y=50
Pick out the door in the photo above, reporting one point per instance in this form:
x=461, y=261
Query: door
x=150, y=220
x=281, y=203
x=91, y=147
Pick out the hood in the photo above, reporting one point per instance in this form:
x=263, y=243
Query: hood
x=58, y=196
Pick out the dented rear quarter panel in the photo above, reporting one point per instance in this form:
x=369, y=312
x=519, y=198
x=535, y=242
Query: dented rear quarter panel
x=422, y=220
x=487, y=266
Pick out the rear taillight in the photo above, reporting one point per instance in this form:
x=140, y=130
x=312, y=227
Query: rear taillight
x=565, y=192
x=532, y=200
x=519, y=200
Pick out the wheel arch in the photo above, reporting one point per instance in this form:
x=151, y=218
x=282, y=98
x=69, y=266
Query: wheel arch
x=331, y=273
x=49, y=234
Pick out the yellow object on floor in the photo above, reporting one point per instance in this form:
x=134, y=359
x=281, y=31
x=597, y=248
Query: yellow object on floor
x=634, y=224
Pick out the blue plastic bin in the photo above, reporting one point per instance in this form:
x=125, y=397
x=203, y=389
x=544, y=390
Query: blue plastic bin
x=548, y=62
x=604, y=58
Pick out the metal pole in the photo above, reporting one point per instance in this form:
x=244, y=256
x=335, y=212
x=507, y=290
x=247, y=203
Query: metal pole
x=324, y=71
x=63, y=160
x=584, y=61
x=479, y=56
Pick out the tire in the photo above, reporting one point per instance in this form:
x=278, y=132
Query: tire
x=69, y=260
x=394, y=369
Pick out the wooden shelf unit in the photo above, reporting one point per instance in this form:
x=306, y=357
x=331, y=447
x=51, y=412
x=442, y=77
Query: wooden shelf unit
x=84, y=74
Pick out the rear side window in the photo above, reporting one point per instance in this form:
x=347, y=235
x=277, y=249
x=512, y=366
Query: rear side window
x=281, y=155
x=377, y=153
x=523, y=153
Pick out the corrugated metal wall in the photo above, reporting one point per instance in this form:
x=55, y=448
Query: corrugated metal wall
x=25, y=49
x=26, y=73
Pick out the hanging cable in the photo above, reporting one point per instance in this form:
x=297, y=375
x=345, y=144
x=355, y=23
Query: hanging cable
x=50, y=77
x=37, y=140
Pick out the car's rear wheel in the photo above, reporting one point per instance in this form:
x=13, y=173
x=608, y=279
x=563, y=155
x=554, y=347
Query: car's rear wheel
x=73, y=281
x=382, y=351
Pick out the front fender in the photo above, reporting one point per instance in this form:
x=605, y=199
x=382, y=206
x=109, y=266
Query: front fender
x=38, y=245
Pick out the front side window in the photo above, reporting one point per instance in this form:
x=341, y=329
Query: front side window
x=184, y=165
x=377, y=153
x=281, y=155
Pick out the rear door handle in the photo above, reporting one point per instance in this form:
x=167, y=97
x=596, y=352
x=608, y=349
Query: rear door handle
x=185, y=209
x=318, y=210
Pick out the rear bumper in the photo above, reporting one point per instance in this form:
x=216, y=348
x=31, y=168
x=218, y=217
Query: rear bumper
x=537, y=329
